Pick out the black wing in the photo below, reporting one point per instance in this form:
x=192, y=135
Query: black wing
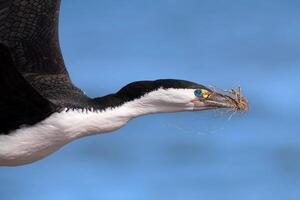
x=20, y=104
x=29, y=28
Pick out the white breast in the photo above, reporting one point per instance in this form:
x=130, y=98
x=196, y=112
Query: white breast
x=29, y=144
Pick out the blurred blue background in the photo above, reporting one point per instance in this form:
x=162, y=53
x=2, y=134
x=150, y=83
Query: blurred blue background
x=186, y=156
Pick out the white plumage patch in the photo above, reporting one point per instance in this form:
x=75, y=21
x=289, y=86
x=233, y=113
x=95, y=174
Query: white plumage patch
x=32, y=143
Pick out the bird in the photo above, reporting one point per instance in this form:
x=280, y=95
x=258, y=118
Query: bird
x=41, y=110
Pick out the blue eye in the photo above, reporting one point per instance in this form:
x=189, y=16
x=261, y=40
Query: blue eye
x=198, y=93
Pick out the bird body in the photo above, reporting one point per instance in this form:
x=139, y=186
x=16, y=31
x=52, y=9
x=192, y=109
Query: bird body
x=41, y=110
x=31, y=143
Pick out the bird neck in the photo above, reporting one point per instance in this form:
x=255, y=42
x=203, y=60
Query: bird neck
x=154, y=102
x=113, y=111
x=79, y=122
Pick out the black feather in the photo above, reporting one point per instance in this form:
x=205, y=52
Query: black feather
x=19, y=102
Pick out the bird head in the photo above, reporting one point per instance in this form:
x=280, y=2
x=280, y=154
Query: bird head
x=171, y=95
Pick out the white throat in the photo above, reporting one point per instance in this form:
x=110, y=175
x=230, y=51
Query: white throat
x=29, y=144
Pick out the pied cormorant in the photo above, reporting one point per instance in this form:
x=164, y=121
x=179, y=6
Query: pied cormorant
x=40, y=108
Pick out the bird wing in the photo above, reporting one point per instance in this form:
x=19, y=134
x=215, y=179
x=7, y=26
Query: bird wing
x=29, y=28
x=20, y=103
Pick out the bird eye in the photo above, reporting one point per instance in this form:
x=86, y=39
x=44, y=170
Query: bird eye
x=198, y=93
x=202, y=93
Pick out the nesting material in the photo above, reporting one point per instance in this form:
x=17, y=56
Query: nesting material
x=236, y=98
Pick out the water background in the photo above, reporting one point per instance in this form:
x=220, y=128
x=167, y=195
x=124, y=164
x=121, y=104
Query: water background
x=186, y=156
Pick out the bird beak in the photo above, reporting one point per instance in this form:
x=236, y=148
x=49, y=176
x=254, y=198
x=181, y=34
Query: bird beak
x=215, y=101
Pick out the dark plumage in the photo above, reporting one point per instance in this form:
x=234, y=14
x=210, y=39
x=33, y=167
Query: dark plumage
x=29, y=29
x=20, y=103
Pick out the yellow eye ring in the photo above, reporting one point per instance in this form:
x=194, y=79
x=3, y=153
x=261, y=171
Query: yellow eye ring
x=205, y=93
